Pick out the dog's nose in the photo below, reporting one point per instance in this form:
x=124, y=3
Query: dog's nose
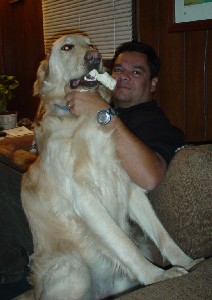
x=92, y=59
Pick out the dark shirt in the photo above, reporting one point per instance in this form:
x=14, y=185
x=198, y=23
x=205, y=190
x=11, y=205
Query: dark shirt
x=148, y=122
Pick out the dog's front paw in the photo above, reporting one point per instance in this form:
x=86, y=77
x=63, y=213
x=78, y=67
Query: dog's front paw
x=173, y=272
x=193, y=263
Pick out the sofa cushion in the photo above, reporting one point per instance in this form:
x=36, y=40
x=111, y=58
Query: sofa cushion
x=15, y=236
x=194, y=285
x=183, y=200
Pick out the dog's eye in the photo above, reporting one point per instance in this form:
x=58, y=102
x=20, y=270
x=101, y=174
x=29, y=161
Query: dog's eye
x=67, y=47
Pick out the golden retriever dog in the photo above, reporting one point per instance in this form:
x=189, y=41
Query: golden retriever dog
x=81, y=205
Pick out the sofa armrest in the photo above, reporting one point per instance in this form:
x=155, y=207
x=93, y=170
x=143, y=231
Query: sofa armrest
x=183, y=200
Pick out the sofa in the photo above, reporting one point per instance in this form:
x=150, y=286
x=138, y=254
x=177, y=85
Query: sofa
x=15, y=236
x=182, y=202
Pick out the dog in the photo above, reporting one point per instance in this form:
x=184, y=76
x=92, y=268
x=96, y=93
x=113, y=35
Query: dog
x=81, y=205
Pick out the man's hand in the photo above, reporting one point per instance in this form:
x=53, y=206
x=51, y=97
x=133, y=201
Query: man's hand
x=85, y=103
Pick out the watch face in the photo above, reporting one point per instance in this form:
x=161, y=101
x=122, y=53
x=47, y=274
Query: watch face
x=103, y=117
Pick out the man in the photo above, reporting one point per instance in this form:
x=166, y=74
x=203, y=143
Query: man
x=145, y=140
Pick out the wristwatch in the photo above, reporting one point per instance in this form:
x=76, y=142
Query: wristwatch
x=104, y=116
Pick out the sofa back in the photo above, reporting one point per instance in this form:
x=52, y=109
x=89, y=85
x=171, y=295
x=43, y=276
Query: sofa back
x=182, y=201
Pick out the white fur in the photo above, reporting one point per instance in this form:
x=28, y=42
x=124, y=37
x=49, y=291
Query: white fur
x=78, y=200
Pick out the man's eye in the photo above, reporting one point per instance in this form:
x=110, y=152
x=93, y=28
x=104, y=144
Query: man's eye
x=67, y=47
x=136, y=72
x=117, y=70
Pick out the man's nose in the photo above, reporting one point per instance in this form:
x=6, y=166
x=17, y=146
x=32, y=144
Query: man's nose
x=122, y=76
x=93, y=59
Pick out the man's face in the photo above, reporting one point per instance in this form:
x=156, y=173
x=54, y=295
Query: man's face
x=132, y=74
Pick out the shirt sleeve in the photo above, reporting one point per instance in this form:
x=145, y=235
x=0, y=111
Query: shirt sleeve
x=149, y=123
x=161, y=137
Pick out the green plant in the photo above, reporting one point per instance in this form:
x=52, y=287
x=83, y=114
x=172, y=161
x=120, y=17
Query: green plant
x=7, y=84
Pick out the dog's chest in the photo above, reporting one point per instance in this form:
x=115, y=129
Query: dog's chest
x=78, y=157
x=79, y=146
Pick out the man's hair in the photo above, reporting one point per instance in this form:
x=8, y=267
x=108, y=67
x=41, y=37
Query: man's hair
x=134, y=46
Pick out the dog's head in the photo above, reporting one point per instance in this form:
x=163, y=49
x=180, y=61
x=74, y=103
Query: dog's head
x=71, y=57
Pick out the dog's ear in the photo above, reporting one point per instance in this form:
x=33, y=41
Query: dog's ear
x=48, y=74
x=42, y=74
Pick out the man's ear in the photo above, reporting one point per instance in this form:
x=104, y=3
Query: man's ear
x=154, y=82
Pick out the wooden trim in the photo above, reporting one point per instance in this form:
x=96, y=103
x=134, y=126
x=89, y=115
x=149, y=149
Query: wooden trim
x=137, y=27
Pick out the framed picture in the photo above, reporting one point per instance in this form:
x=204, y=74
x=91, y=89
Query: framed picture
x=190, y=15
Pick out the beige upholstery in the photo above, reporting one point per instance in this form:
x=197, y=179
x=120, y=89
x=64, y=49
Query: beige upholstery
x=183, y=200
x=183, y=204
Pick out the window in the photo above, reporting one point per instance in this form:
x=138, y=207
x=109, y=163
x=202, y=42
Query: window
x=107, y=22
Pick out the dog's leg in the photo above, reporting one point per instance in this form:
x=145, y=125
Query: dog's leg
x=142, y=212
x=100, y=222
x=63, y=276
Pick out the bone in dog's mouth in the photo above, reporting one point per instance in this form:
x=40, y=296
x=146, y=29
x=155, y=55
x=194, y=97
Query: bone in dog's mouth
x=93, y=79
x=86, y=81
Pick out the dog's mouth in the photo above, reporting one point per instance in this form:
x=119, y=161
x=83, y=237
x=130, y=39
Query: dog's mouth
x=85, y=81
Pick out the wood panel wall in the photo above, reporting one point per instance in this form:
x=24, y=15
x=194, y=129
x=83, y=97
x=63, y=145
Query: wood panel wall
x=185, y=82
x=185, y=85
x=21, y=49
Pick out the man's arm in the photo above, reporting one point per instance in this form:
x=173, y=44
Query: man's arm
x=143, y=165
